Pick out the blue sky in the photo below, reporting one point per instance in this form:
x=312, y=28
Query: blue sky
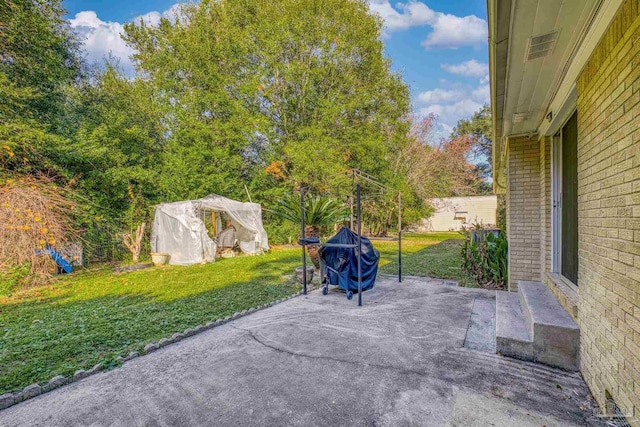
x=439, y=46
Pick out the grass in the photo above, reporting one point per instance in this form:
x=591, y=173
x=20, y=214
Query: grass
x=94, y=317
x=434, y=255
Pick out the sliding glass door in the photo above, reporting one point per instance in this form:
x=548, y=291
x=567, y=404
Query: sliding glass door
x=565, y=201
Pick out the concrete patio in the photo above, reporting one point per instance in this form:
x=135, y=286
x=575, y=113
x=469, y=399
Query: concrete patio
x=416, y=353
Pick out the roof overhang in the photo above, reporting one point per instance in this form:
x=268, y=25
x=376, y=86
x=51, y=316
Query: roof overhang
x=537, y=50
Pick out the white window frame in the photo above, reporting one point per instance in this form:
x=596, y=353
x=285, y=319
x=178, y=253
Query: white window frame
x=556, y=203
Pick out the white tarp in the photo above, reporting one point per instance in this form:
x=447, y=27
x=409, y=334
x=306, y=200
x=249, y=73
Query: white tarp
x=179, y=231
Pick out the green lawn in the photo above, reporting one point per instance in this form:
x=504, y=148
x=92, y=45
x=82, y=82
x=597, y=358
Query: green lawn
x=94, y=317
x=434, y=255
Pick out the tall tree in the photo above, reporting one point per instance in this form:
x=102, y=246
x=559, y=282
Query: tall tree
x=251, y=83
x=119, y=143
x=38, y=50
x=479, y=129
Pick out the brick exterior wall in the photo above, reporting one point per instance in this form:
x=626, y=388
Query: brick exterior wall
x=609, y=213
x=523, y=210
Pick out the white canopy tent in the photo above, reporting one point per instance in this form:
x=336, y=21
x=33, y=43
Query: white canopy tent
x=179, y=228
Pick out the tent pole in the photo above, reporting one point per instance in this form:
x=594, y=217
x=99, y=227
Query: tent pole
x=359, y=247
x=399, y=237
x=304, y=257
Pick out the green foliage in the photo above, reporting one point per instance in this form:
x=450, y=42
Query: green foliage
x=280, y=231
x=119, y=148
x=485, y=257
x=319, y=211
x=44, y=55
x=480, y=128
x=271, y=94
x=26, y=147
x=246, y=83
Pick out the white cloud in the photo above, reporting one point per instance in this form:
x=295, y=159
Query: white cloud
x=439, y=96
x=471, y=68
x=104, y=38
x=449, y=31
x=449, y=114
x=452, y=31
x=409, y=15
x=481, y=93
x=453, y=104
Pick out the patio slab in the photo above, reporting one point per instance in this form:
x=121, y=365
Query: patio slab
x=321, y=360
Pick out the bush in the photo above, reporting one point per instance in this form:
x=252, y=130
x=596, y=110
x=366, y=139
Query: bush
x=281, y=232
x=485, y=255
x=34, y=215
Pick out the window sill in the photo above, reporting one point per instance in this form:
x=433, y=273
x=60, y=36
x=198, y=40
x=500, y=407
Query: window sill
x=565, y=286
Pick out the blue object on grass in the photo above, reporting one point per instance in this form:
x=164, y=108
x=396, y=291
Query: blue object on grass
x=63, y=264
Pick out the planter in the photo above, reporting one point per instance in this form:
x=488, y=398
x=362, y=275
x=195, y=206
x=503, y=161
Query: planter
x=159, y=258
x=310, y=270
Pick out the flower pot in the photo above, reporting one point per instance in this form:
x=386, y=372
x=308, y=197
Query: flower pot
x=159, y=258
x=309, y=274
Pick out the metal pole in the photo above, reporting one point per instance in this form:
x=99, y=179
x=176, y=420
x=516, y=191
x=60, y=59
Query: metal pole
x=359, y=247
x=399, y=237
x=304, y=255
x=351, y=217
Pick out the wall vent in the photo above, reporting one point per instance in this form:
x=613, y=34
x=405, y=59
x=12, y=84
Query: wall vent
x=541, y=46
x=520, y=117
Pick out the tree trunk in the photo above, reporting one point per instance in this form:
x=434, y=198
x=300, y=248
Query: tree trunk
x=134, y=243
x=312, y=250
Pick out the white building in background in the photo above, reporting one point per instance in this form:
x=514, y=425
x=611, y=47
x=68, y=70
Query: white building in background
x=454, y=212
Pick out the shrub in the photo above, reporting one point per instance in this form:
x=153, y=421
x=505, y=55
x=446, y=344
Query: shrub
x=33, y=216
x=485, y=255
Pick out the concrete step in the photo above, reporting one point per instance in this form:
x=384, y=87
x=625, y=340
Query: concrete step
x=512, y=335
x=556, y=337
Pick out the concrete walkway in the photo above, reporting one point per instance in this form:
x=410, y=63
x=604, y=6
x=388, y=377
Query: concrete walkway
x=319, y=361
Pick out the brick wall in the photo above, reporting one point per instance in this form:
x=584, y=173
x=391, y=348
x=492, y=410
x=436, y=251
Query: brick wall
x=609, y=213
x=523, y=210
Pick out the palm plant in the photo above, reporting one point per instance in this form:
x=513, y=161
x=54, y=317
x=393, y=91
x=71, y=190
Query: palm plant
x=320, y=213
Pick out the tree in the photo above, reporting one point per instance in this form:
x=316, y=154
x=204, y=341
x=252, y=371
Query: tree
x=119, y=144
x=26, y=147
x=246, y=83
x=437, y=168
x=320, y=212
x=38, y=50
x=479, y=129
